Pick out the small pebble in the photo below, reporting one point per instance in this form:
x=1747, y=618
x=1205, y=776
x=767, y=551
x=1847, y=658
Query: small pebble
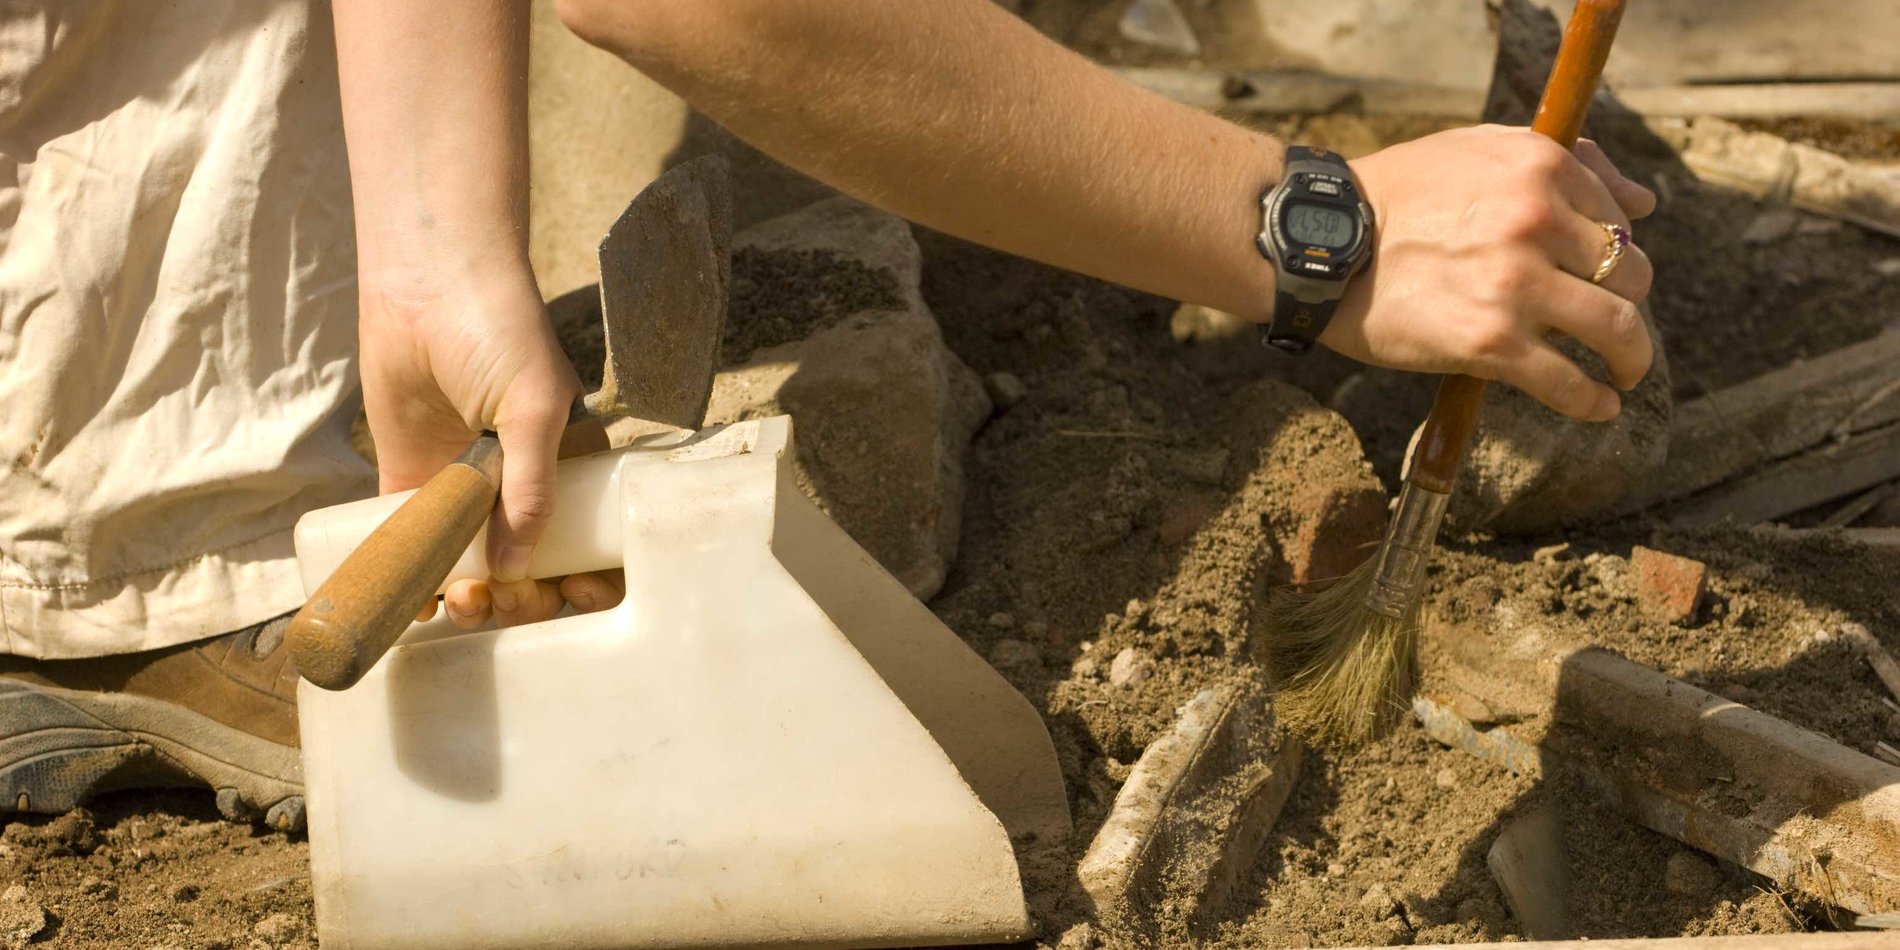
x=1010, y=654
x=1129, y=667
x=1378, y=900
x=1770, y=226
x=1446, y=778
x=1035, y=629
x=1006, y=389
x=1888, y=268
x=1085, y=667
x=1689, y=875
x=1335, y=869
x=279, y=928
x=1079, y=937
x=1002, y=620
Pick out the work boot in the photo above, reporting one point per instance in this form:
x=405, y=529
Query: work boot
x=219, y=712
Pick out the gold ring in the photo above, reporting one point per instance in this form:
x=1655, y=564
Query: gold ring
x=1616, y=240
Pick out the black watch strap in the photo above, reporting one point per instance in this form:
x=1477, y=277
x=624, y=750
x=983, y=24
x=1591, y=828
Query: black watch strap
x=1296, y=324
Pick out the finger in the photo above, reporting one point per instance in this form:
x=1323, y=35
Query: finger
x=528, y=601
x=467, y=603
x=1584, y=191
x=427, y=613
x=1600, y=320
x=1635, y=200
x=528, y=442
x=1580, y=246
x=1550, y=377
x=591, y=592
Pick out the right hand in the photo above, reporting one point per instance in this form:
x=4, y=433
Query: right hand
x=1486, y=239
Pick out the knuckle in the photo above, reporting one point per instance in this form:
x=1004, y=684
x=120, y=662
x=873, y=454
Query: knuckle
x=531, y=506
x=1490, y=342
x=1526, y=220
x=1626, y=322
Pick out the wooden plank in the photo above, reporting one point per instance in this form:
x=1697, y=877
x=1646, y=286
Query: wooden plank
x=1792, y=805
x=1802, y=481
x=1863, y=101
x=1845, y=940
x=1708, y=41
x=1775, y=169
x=1219, y=778
x=1776, y=415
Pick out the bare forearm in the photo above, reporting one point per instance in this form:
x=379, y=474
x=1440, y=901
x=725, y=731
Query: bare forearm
x=434, y=110
x=960, y=117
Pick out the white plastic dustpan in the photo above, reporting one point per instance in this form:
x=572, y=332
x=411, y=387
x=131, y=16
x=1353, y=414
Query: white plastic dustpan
x=769, y=743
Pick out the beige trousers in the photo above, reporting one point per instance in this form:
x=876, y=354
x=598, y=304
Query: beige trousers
x=177, y=316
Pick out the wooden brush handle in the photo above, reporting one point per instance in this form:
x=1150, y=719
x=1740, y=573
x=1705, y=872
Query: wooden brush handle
x=373, y=596
x=1560, y=113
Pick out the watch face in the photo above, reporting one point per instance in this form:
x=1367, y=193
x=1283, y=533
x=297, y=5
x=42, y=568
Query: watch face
x=1318, y=225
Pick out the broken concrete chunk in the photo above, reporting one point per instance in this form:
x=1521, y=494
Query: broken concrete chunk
x=21, y=918
x=882, y=410
x=1129, y=667
x=1192, y=815
x=1531, y=868
x=849, y=229
x=1668, y=587
x=882, y=413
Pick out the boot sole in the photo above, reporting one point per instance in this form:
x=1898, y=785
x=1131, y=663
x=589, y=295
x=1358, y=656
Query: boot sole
x=60, y=747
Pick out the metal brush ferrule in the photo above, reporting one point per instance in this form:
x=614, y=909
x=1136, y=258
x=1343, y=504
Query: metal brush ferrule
x=1408, y=549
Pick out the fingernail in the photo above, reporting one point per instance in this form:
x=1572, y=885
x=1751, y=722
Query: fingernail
x=458, y=609
x=512, y=565
x=582, y=602
x=504, y=599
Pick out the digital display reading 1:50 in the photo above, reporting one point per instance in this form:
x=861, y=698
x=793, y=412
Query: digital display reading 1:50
x=1317, y=224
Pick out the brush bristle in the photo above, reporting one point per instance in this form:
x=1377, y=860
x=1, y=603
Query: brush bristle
x=1344, y=673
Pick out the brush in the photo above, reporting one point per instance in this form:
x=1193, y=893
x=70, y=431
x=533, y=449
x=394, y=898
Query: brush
x=1344, y=659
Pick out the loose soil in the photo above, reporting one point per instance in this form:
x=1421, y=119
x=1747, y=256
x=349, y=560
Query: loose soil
x=1122, y=504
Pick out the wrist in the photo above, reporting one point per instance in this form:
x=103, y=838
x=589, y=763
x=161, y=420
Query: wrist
x=1316, y=229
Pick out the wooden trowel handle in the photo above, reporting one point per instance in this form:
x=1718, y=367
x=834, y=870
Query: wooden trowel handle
x=373, y=596
x=1560, y=113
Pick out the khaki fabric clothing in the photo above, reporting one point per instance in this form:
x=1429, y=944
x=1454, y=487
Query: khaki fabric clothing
x=177, y=316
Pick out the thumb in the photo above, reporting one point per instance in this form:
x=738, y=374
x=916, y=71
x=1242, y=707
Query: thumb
x=529, y=440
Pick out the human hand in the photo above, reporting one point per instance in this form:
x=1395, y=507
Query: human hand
x=444, y=359
x=1486, y=239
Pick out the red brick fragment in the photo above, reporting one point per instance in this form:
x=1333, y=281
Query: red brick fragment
x=1339, y=526
x=1668, y=586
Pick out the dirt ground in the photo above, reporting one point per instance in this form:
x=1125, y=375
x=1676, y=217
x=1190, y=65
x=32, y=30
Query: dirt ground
x=1120, y=505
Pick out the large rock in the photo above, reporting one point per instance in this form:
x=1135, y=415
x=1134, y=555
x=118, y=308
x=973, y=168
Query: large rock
x=882, y=410
x=1532, y=469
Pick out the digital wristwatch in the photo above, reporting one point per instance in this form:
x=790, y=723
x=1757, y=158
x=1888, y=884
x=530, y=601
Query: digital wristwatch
x=1316, y=228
